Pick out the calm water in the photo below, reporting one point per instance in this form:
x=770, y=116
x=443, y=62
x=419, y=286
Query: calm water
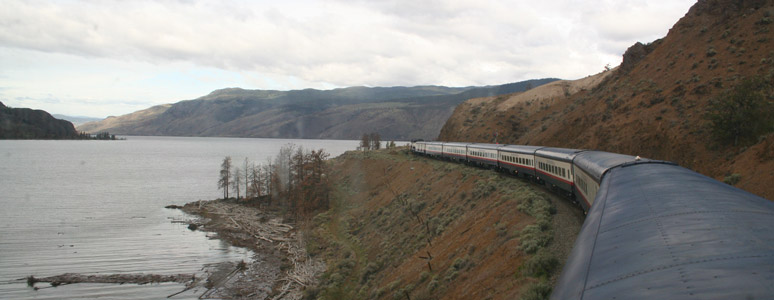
x=98, y=207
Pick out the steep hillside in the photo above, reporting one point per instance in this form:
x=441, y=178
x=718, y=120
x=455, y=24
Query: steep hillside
x=395, y=112
x=25, y=123
x=656, y=103
x=407, y=227
x=136, y=121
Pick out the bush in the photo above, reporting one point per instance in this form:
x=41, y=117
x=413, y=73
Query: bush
x=540, y=265
x=537, y=291
x=742, y=114
x=732, y=179
x=534, y=239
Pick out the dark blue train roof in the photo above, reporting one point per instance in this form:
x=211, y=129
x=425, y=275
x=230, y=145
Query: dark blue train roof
x=595, y=163
x=485, y=146
x=561, y=154
x=520, y=149
x=660, y=231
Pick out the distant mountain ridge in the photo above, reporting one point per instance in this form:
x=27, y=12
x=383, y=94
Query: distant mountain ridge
x=25, y=123
x=346, y=113
x=76, y=120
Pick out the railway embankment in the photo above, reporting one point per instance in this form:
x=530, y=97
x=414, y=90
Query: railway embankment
x=407, y=227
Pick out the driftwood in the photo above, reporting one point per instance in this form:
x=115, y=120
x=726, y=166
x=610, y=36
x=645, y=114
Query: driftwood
x=70, y=278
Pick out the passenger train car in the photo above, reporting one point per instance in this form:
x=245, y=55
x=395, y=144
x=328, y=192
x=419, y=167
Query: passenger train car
x=654, y=230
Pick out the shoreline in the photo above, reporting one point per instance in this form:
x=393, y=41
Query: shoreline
x=281, y=267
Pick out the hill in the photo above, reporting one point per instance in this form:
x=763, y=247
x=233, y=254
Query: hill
x=394, y=112
x=76, y=120
x=402, y=226
x=25, y=123
x=658, y=103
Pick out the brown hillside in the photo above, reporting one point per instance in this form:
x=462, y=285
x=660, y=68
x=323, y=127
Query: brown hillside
x=654, y=104
x=393, y=210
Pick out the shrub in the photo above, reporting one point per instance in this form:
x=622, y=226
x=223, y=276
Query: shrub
x=742, y=114
x=732, y=179
x=533, y=239
x=540, y=265
x=537, y=291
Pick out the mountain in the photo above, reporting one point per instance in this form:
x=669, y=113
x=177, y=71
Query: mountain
x=76, y=120
x=25, y=123
x=347, y=113
x=659, y=103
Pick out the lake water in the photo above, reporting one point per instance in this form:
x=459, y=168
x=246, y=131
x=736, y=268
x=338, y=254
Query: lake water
x=97, y=207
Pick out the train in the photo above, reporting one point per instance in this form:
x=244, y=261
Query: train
x=653, y=229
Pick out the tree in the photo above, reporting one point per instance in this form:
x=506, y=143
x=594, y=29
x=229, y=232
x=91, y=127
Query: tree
x=365, y=142
x=246, y=169
x=225, y=176
x=742, y=114
x=376, y=141
x=255, y=182
x=269, y=174
x=237, y=181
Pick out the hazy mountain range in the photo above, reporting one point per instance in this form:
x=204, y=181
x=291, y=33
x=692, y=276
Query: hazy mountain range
x=76, y=120
x=346, y=113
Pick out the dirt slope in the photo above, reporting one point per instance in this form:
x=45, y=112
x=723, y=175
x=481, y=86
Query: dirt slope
x=653, y=105
x=488, y=235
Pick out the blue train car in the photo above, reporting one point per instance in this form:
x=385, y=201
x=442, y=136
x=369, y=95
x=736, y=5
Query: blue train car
x=554, y=167
x=588, y=168
x=518, y=159
x=484, y=155
x=660, y=231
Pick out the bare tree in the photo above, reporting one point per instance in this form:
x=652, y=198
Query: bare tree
x=268, y=170
x=246, y=169
x=237, y=181
x=376, y=141
x=365, y=142
x=254, y=180
x=225, y=176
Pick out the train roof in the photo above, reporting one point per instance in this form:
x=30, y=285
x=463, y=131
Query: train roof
x=523, y=149
x=648, y=236
x=456, y=144
x=485, y=146
x=562, y=154
x=434, y=143
x=595, y=163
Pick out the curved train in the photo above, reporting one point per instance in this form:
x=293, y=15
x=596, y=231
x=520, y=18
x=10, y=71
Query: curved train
x=653, y=230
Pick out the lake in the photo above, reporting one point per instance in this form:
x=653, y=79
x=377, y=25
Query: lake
x=97, y=207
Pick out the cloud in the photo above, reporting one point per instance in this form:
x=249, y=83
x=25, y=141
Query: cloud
x=296, y=44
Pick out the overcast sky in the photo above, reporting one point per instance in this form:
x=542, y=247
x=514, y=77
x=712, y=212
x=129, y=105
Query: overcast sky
x=100, y=58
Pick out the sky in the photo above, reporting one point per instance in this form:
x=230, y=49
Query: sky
x=100, y=57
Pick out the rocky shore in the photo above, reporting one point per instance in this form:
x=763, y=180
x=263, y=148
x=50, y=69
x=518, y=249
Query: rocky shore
x=281, y=268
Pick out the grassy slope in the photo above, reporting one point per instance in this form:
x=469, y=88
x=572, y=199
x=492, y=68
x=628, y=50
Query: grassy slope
x=490, y=236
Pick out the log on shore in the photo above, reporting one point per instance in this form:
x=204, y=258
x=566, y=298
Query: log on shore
x=70, y=278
